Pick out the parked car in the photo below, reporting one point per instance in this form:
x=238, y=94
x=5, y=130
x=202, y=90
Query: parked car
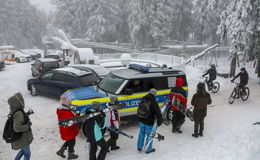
x=57, y=81
x=34, y=55
x=42, y=65
x=129, y=85
x=58, y=57
x=100, y=71
x=2, y=63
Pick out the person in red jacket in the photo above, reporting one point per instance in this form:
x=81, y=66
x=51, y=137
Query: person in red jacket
x=68, y=134
x=178, y=97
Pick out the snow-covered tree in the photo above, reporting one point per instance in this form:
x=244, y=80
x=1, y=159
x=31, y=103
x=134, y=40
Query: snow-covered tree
x=150, y=21
x=206, y=19
x=22, y=25
x=101, y=25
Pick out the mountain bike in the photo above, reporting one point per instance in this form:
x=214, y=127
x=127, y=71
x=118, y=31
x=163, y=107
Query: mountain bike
x=214, y=87
x=239, y=93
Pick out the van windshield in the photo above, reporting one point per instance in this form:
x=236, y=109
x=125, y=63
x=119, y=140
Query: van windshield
x=111, y=83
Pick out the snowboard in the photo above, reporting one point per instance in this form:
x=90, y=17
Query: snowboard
x=77, y=120
x=186, y=111
x=154, y=135
x=120, y=132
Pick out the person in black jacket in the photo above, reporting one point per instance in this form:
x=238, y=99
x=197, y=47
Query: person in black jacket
x=147, y=124
x=212, y=72
x=179, y=94
x=243, y=78
x=92, y=129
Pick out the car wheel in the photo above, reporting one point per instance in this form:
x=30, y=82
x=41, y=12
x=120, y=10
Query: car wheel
x=33, y=90
x=17, y=60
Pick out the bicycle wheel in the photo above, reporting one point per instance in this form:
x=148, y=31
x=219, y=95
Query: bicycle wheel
x=232, y=97
x=215, y=87
x=244, y=95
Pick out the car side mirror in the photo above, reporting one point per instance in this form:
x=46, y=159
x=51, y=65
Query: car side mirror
x=129, y=91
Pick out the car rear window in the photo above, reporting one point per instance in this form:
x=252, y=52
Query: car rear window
x=50, y=65
x=88, y=79
x=53, y=56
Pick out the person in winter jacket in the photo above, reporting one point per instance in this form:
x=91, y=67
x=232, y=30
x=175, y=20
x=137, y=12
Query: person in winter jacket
x=113, y=119
x=147, y=124
x=243, y=78
x=178, y=94
x=68, y=134
x=92, y=129
x=21, y=124
x=200, y=100
x=212, y=72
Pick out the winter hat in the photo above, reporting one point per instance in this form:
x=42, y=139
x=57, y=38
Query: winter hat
x=179, y=82
x=243, y=69
x=19, y=97
x=64, y=101
x=153, y=92
x=96, y=106
x=201, y=85
x=113, y=99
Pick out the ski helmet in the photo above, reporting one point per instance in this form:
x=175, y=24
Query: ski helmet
x=243, y=69
x=96, y=106
x=113, y=99
x=213, y=66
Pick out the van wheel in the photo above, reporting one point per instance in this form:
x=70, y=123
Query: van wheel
x=33, y=90
x=17, y=60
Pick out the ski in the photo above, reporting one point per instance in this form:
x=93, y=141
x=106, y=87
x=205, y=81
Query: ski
x=154, y=135
x=77, y=120
x=120, y=132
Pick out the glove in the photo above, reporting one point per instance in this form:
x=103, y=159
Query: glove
x=203, y=75
x=232, y=81
x=30, y=111
x=29, y=123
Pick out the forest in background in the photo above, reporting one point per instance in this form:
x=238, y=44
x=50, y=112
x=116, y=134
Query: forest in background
x=143, y=23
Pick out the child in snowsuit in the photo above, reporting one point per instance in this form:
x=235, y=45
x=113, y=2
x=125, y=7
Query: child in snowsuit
x=68, y=134
x=200, y=100
x=180, y=94
x=113, y=119
x=92, y=129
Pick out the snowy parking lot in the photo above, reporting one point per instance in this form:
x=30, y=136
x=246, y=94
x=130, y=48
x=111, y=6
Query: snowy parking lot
x=229, y=133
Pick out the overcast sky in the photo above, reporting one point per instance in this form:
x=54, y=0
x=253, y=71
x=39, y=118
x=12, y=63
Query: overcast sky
x=43, y=5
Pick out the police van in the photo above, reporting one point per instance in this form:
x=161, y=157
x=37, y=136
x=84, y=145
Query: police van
x=129, y=85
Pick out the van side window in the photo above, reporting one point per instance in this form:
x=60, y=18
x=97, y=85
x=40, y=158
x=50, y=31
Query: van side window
x=158, y=83
x=136, y=85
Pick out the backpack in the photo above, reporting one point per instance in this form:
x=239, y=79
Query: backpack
x=9, y=135
x=144, y=109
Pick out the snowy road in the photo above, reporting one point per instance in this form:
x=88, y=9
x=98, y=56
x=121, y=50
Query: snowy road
x=229, y=133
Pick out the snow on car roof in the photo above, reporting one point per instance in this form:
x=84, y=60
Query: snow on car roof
x=47, y=59
x=155, y=72
x=74, y=71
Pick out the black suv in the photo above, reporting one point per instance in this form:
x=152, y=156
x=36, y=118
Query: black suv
x=57, y=81
x=42, y=65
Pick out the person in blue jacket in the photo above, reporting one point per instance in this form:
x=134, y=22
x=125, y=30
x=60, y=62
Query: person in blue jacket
x=92, y=129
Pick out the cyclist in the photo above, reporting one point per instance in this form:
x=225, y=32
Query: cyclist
x=243, y=79
x=212, y=72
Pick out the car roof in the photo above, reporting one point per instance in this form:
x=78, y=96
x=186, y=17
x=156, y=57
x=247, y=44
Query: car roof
x=153, y=72
x=100, y=70
x=47, y=60
x=74, y=71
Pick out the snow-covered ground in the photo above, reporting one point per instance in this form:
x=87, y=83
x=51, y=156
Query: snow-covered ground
x=229, y=133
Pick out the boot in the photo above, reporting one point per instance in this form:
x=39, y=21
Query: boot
x=61, y=152
x=201, y=134
x=72, y=155
x=179, y=131
x=115, y=148
x=195, y=135
x=153, y=150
